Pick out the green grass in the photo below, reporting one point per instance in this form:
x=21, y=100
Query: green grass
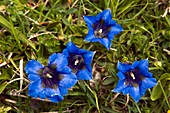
x=35, y=30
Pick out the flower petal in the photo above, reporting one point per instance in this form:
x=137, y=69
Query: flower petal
x=54, y=95
x=60, y=61
x=90, y=36
x=111, y=35
x=68, y=81
x=135, y=64
x=120, y=86
x=90, y=20
x=42, y=94
x=148, y=82
x=121, y=75
x=123, y=67
x=63, y=90
x=116, y=29
x=57, y=59
x=84, y=75
x=125, y=91
x=142, y=89
x=72, y=48
x=35, y=88
x=106, y=42
x=65, y=52
x=33, y=77
x=88, y=57
x=106, y=15
x=33, y=66
x=56, y=98
x=111, y=23
x=135, y=93
x=143, y=66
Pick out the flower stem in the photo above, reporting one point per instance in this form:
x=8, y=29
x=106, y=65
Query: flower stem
x=137, y=107
x=164, y=93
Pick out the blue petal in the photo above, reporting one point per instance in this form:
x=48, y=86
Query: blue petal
x=64, y=70
x=82, y=51
x=99, y=16
x=65, y=52
x=84, y=75
x=90, y=36
x=111, y=35
x=111, y=23
x=57, y=98
x=106, y=42
x=90, y=20
x=54, y=95
x=88, y=67
x=135, y=93
x=116, y=29
x=125, y=91
x=52, y=92
x=148, y=82
x=32, y=67
x=120, y=86
x=96, y=40
x=63, y=90
x=123, y=67
x=42, y=94
x=72, y=48
x=68, y=81
x=135, y=64
x=143, y=66
x=60, y=61
x=88, y=57
x=121, y=75
x=52, y=58
x=106, y=15
x=149, y=74
x=35, y=88
x=57, y=59
x=33, y=77
x=142, y=89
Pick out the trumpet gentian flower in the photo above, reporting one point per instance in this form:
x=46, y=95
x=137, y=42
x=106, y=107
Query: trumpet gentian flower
x=102, y=28
x=79, y=60
x=134, y=79
x=52, y=81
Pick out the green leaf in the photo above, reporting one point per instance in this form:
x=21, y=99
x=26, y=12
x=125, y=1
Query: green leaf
x=3, y=86
x=157, y=92
x=6, y=24
x=76, y=93
x=5, y=74
x=110, y=56
x=65, y=21
x=108, y=81
x=71, y=10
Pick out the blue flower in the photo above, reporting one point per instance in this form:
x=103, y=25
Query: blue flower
x=52, y=81
x=102, y=28
x=134, y=79
x=79, y=60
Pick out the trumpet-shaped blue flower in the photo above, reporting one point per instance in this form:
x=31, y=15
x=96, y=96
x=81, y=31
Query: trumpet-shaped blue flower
x=134, y=79
x=52, y=81
x=79, y=60
x=102, y=28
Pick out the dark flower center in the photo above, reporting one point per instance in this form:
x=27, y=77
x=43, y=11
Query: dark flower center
x=76, y=62
x=50, y=77
x=100, y=29
x=133, y=77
